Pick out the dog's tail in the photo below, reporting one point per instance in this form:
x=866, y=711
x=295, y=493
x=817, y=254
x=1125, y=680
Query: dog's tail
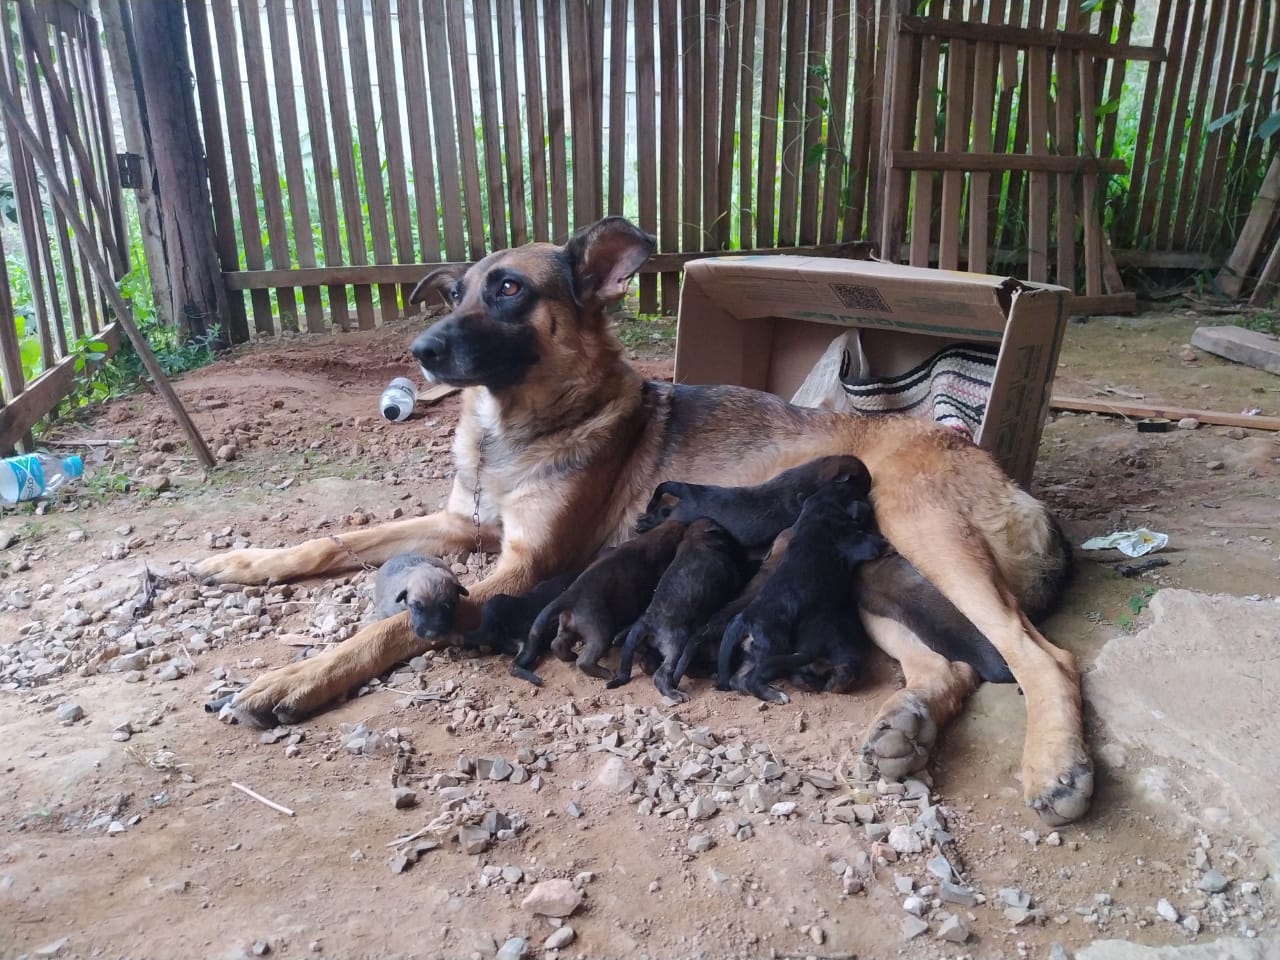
x=631, y=639
x=544, y=628
x=734, y=634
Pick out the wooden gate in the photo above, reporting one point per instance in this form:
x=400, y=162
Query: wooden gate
x=51, y=308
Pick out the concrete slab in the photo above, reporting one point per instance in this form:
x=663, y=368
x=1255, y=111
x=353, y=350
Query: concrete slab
x=1200, y=686
x=1232, y=948
x=1243, y=346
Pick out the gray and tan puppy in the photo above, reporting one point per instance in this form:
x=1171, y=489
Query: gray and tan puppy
x=425, y=586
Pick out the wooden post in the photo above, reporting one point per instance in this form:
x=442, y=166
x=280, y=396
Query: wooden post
x=129, y=98
x=198, y=294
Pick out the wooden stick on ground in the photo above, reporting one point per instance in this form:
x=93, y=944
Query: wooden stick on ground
x=1078, y=405
x=102, y=272
x=261, y=799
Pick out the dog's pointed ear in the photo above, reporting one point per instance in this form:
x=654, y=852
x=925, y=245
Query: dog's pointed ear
x=438, y=280
x=402, y=596
x=603, y=258
x=462, y=591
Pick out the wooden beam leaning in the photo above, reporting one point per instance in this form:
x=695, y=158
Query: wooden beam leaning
x=1001, y=162
x=1023, y=37
x=124, y=316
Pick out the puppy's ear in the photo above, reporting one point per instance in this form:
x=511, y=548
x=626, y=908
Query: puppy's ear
x=604, y=256
x=438, y=280
x=402, y=596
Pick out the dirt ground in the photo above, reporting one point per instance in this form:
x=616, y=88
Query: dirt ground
x=121, y=835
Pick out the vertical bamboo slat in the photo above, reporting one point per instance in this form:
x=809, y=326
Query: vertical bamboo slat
x=409, y=19
x=464, y=118
x=669, y=144
x=766, y=182
x=646, y=133
x=486, y=77
x=533, y=100
x=508, y=58
x=691, y=128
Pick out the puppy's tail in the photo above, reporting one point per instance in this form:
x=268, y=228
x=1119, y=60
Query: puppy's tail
x=734, y=634
x=540, y=634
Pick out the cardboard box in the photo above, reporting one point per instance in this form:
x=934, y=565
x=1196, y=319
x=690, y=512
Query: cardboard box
x=763, y=321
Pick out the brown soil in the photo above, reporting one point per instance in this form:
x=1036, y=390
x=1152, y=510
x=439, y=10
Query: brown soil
x=206, y=871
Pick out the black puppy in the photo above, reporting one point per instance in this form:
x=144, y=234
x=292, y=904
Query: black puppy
x=709, y=568
x=606, y=598
x=505, y=620
x=808, y=606
x=754, y=515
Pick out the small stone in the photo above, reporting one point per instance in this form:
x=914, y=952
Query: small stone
x=473, y=839
x=1058, y=952
x=512, y=874
x=957, y=894
x=912, y=927
x=1191, y=924
x=69, y=712
x=261, y=948
x=1212, y=881
x=500, y=770
x=953, y=929
x=513, y=949
x=1188, y=423
x=553, y=898
x=114, y=827
x=228, y=452
x=1214, y=465
x=915, y=906
x=561, y=938
x=940, y=867
x=53, y=948
x=700, y=843
x=404, y=798
x=702, y=808
x=903, y=840
x=615, y=776
x=1054, y=839
x=783, y=809
x=573, y=810
x=1167, y=910
x=156, y=482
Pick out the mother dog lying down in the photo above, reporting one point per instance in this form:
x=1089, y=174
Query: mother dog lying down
x=561, y=444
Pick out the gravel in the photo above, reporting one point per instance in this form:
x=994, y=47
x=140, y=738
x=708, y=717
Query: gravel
x=553, y=898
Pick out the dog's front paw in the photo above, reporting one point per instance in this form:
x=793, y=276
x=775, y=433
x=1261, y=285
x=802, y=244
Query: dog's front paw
x=1060, y=794
x=900, y=737
x=251, y=565
x=288, y=694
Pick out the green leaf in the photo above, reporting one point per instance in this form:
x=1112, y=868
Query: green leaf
x=814, y=154
x=1111, y=106
x=1227, y=118
x=1269, y=126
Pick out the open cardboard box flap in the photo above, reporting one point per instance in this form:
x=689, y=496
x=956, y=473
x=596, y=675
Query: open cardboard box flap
x=763, y=321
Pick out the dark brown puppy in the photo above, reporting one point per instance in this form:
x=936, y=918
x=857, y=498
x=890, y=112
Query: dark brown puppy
x=807, y=607
x=607, y=597
x=505, y=620
x=754, y=516
x=708, y=570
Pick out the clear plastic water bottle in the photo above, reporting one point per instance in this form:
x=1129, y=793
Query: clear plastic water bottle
x=398, y=399
x=34, y=475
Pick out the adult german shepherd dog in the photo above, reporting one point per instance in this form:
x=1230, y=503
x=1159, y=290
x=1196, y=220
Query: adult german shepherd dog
x=561, y=443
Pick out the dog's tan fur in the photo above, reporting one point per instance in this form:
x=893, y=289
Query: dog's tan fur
x=572, y=454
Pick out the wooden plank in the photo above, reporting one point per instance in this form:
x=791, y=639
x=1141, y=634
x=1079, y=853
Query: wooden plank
x=401, y=273
x=812, y=159
x=490, y=124
x=1072, y=40
x=1163, y=149
x=618, y=160
x=746, y=120
x=370, y=155
x=836, y=170
x=1065, y=107
x=581, y=114
x=896, y=124
x=710, y=97
x=447, y=172
x=1145, y=149
x=343, y=149
x=881, y=183
x=215, y=157
x=1188, y=213
x=794, y=85
x=669, y=145
x=552, y=32
x=1165, y=259
x=984, y=100
x=1011, y=233
x=1090, y=201
x=1080, y=405
x=1037, y=94
x=999, y=162
x=1176, y=163
x=89, y=43
x=595, y=50
x=646, y=132
x=1104, y=303
x=264, y=140
x=46, y=391
x=1268, y=280
x=384, y=56
x=955, y=141
x=691, y=125
x=1114, y=85
x=922, y=181
x=533, y=100
x=72, y=79
x=11, y=378
x=722, y=225
x=509, y=64
x=767, y=160
x=1235, y=271
x=862, y=118
x=291, y=145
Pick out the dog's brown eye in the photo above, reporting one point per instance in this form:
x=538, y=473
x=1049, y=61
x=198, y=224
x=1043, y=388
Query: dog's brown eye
x=509, y=288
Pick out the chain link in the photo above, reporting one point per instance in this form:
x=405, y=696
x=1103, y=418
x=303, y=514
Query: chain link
x=352, y=554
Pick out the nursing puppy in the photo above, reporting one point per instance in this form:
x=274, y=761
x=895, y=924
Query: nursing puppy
x=708, y=570
x=423, y=585
x=605, y=599
x=808, y=606
x=505, y=620
x=754, y=516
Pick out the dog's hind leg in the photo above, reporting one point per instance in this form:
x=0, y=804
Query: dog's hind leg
x=1057, y=773
x=630, y=640
x=672, y=647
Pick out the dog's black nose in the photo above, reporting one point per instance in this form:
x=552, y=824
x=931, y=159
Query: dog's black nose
x=429, y=348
